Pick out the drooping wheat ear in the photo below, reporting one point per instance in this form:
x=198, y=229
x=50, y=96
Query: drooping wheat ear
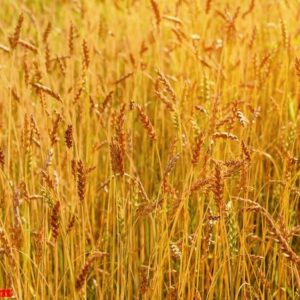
x=106, y=102
x=176, y=120
x=68, y=136
x=146, y=208
x=167, y=86
x=197, y=148
x=86, y=54
x=206, y=88
x=55, y=220
x=7, y=249
x=71, y=224
x=47, y=91
x=61, y=64
x=218, y=189
x=275, y=231
x=225, y=135
x=28, y=46
x=175, y=251
x=171, y=164
x=169, y=105
x=156, y=11
x=297, y=67
x=74, y=168
x=201, y=109
x=168, y=188
x=242, y=118
x=47, y=57
x=13, y=40
x=173, y=147
x=252, y=38
x=146, y=123
x=34, y=127
x=2, y=158
x=78, y=95
x=81, y=180
x=201, y=183
x=54, y=131
x=120, y=130
x=284, y=34
x=47, y=32
x=47, y=179
x=39, y=244
x=144, y=282
x=232, y=167
x=71, y=39
x=117, y=157
x=81, y=278
x=227, y=121
x=293, y=231
x=208, y=6
x=140, y=187
x=246, y=152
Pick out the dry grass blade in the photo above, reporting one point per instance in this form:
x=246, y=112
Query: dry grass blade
x=123, y=78
x=4, y=48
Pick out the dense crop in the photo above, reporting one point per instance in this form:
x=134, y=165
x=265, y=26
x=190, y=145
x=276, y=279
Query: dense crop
x=150, y=149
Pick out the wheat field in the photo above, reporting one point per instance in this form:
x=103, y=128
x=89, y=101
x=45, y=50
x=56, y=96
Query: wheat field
x=150, y=149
